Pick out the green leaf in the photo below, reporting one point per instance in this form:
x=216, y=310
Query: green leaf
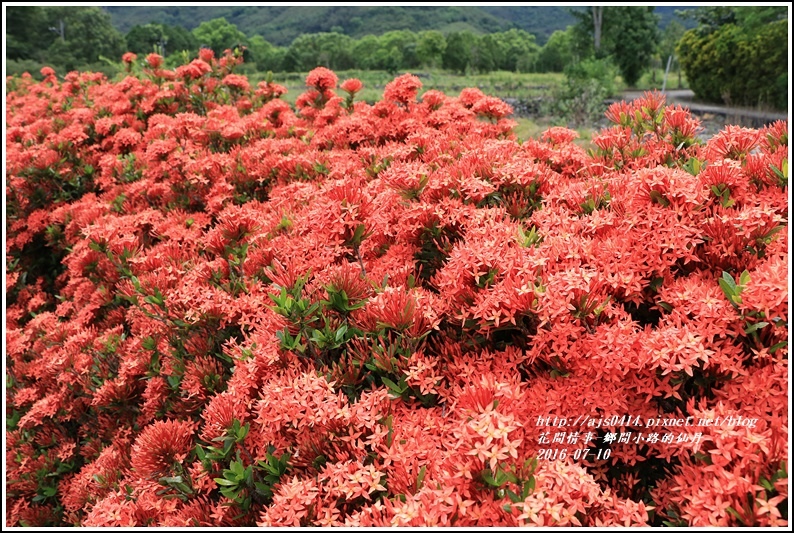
x=777, y=346
x=340, y=333
x=392, y=385
x=766, y=484
x=659, y=198
x=237, y=468
x=756, y=327
x=488, y=478
x=225, y=482
x=733, y=513
x=421, y=477
x=728, y=279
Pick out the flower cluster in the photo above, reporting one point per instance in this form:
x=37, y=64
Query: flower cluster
x=223, y=311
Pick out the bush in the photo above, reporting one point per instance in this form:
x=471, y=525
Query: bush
x=225, y=311
x=17, y=67
x=734, y=66
x=588, y=84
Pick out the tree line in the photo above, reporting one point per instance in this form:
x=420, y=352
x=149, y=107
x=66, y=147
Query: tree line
x=80, y=36
x=728, y=43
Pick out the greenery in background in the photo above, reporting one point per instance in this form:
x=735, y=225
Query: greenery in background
x=68, y=37
x=449, y=38
x=738, y=55
x=162, y=38
x=629, y=35
x=282, y=24
x=588, y=83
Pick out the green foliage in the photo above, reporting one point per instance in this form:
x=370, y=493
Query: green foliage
x=588, y=84
x=266, y=56
x=219, y=34
x=738, y=65
x=331, y=50
x=65, y=38
x=165, y=39
x=245, y=485
x=283, y=24
x=635, y=36
x=458, y=54
x=628, y=35
x=430, y=48
x=27, y=32
x=557, y=53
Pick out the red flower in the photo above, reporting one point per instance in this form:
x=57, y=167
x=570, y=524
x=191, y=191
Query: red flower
x=352, y=85
x=206, y=54
x=322, y=79
x=154, y=60
x=129, y=57
x=160, y=446
x=403, y=89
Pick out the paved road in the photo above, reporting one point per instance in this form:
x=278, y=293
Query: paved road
x=686, y=98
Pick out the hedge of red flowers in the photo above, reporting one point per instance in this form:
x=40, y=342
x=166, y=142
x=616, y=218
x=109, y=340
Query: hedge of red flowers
x=226, y=311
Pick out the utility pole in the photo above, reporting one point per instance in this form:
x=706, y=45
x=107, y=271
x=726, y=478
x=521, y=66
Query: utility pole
x=60, y=30
x=598, y=19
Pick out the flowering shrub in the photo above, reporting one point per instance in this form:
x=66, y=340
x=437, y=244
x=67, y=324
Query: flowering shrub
x=226, y=312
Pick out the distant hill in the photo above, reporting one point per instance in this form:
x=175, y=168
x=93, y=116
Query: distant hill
x=281, y=24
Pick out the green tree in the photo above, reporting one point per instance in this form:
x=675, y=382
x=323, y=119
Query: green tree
x=557, y=53
x=430, y=48
x=627, y=34
x=738, y=65
x=27, y=32
x=364, y=51
x=179, y=39
x=633, y=35
x=484, y=52
x=219, y=34
x=81, y=35
x=670, y=37
x=265, y=55
x=458, y=53
x=516, y=50
x=310, y=50
x=143, y=38
x=406, y=43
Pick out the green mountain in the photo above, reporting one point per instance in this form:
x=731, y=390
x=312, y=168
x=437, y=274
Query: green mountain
x=281, y=24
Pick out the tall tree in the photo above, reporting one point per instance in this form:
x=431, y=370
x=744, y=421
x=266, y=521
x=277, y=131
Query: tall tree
x=557, y=53
x=628, y=34
x=81, y=35
x=27, y=32
x=634, y=34
x=219, y=34
x=458, y=53
x=430, y=48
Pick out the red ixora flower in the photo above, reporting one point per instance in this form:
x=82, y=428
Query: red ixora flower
x=352, y=86
x=129, y=57
x=160, y=445
x=321, y=79
x=154, y=60
x=206, y=54
x=403, y=89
